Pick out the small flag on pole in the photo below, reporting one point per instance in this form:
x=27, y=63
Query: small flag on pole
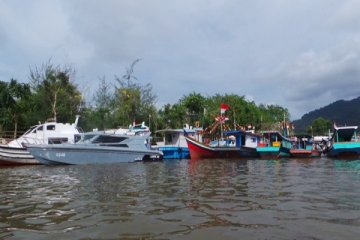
x=223, y=108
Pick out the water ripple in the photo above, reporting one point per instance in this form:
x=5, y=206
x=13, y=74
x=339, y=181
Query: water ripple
x=209, y=199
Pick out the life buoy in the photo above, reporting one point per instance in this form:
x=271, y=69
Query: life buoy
x=197, y=124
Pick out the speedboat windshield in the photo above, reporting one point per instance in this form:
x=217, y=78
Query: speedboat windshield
x=102, y=138
x=108, y=139
x=87, y=137
x=30, y=130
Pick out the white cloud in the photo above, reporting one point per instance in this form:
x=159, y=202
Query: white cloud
x=316, y=79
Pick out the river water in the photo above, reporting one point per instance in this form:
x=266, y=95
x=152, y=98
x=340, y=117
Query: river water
x=186, y=199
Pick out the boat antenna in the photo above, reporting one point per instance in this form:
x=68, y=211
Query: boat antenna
x=285, y=131
x=76, y=120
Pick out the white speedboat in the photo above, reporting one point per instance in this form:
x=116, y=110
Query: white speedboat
x=16, y=153
x=135, y=129
x=97, y=148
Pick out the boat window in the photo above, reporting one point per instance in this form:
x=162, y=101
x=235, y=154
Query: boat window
x=273, y=138
x=115, y=145
x=168, y=138
x=109, y=139
x=87, y=137
x=77, y=137
x=50, y=127
x=40, y=128
x=243, y=139
x=30, y=130
x=57, y=140
x=137, y=127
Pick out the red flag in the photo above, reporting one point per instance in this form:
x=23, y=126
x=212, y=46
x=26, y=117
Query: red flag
x=223, y=107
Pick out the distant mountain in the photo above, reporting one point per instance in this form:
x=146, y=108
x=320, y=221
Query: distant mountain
x=341, y=112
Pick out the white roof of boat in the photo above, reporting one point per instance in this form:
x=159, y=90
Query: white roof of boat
x=346, y=127
x=179, y=130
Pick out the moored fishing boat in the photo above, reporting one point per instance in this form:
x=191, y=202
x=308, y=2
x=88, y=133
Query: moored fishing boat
x=301, y=147
x=16, y=153
x=173, y=144
x=236, y=144
x=273, y=145
x=344, y=143
x=97, y=148
x=305, y=147
x=301, y=153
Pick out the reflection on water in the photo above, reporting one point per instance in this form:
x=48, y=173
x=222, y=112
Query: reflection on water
x=194, y=199
x=348, y=165
x=32, y=197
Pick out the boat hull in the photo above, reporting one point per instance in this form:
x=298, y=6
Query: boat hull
x=16, y=156
x=344, y=150
x=316, y=153
x=268, y=152
x=200, y=151
x=172, y=152
x=284, y=152
x=74, y=155
x=300, y=153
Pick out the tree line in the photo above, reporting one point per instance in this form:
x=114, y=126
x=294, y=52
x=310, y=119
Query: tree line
x=53, y=94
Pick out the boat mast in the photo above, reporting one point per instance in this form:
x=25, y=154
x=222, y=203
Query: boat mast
x=285, y=132
x=223, y=108
x=221, y=127
x=234, y=121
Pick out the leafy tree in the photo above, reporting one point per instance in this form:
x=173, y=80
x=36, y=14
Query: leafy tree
x=172, y=116
x=242, y=113
x=5, y=101
x=194, y=105
x=319, y=126
x=271, y=116
x=135, y=102
x=55, y=94
x=14, y=98
x=130, y=100
x=103, y=114
x=188, y=110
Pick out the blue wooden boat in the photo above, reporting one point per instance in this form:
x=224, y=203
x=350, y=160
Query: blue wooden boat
x=344, y=143
x=173, y=144
x=273, y=145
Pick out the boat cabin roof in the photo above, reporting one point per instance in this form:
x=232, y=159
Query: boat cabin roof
x=344, y=133
x=52, y=126
x=240, y=132
x=176, y=131
x=346, y=128
x=275, y=133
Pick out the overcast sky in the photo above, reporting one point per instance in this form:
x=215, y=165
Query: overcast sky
x=299, y=54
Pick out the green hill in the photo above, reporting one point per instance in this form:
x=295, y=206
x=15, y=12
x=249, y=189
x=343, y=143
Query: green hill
x=341, y=112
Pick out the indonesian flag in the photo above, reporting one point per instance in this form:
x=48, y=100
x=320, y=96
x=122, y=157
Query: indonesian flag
x=223, y=108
